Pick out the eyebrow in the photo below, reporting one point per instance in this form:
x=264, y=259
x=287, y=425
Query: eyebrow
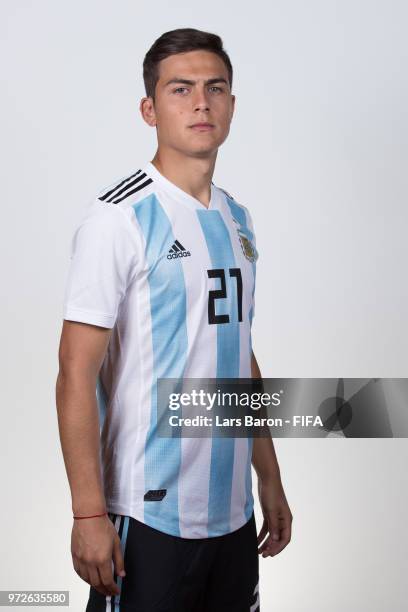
x=190, y=82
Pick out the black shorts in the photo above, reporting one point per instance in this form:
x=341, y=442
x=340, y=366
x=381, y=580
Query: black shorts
x=166, y=573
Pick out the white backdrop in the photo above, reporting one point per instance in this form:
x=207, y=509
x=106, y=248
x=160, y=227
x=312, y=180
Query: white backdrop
x=318, y=152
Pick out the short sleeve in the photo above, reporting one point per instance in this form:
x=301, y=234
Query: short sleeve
x=104, y=261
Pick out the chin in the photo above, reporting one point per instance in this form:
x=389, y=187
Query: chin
x=203, y=153
x=204, y=149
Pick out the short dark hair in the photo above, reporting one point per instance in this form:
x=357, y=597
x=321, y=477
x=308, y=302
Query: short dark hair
x=181, y=40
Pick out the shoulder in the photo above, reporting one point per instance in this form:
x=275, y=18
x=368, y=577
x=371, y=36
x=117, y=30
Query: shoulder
x=110, y=211
x=239, y=211
x=126, y=190
x=115, y=203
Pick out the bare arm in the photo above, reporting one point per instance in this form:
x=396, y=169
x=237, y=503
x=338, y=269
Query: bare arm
x=81, y=352
x=264, y=457
x=94, y=541
x=276, y=529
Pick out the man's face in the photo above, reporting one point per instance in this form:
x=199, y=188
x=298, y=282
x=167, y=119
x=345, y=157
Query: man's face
x=193, y=88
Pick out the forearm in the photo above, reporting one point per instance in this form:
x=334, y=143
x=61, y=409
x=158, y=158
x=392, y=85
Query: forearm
x=78, y=424
x=264, y=457
x=264, y=460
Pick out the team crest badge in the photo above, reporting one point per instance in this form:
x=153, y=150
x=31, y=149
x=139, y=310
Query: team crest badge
x=247, y=247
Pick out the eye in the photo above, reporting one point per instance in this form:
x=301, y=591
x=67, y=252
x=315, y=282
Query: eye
x=216, y=87
x=178, y=89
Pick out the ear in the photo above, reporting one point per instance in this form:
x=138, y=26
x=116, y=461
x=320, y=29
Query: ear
x=233, y=105
x=147, y=111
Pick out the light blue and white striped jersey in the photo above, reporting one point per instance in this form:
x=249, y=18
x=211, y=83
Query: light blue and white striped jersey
x=175, y=282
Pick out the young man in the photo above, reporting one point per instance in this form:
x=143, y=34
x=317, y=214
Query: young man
x=161, y=285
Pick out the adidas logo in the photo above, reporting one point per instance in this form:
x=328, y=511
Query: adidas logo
x=177, y=250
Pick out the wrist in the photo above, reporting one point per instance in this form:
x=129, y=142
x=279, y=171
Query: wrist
x=99, y=515
x=87, y=508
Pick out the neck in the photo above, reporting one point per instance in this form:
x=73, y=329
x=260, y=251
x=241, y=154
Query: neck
x=192, y=174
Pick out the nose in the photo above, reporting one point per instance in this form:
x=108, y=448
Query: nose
x=201, y=100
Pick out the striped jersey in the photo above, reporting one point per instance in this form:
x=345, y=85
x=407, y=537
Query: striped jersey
x=175, y=282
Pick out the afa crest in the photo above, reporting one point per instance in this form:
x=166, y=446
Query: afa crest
x=247, y=247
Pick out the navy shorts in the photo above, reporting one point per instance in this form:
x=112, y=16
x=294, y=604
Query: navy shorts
x=166, y=573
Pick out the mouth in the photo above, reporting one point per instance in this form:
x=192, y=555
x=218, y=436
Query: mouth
x=202, y=126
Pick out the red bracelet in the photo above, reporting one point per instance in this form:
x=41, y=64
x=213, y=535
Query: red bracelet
x=93, y=516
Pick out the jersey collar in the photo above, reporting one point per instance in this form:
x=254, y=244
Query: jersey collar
x=179, y=193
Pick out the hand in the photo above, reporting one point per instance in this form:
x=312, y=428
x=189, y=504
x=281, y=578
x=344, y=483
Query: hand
x=94, y=544
x=277, y=524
